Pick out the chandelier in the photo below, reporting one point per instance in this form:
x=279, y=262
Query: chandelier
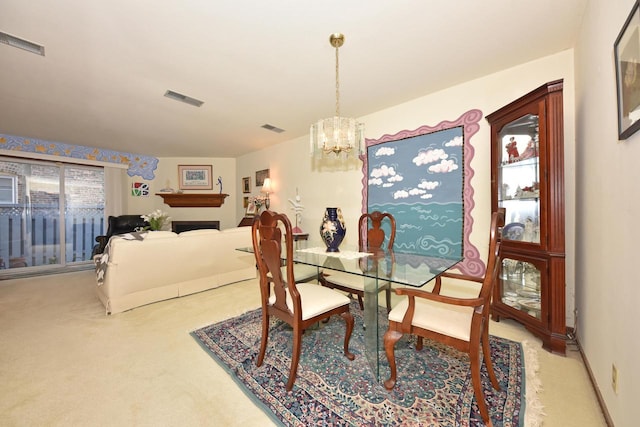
x=337, y=135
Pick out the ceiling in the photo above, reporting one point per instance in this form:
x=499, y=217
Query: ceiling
x=107, y=64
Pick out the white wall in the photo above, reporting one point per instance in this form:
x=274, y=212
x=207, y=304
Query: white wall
x=291, y=165
x=608, y=288
x=167, y=174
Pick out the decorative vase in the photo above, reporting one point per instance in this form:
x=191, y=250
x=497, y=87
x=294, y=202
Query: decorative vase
x=332, y=229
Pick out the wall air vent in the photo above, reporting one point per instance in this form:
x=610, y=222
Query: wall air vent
x=272, y=128
x=183, y=98
x=21, y=44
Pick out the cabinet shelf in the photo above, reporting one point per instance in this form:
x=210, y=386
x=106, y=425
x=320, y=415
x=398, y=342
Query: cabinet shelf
x=533, y=161
x=521, y=199
x=193, y=200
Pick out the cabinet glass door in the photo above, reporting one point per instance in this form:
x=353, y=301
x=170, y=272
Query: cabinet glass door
x=521, y=286
x=519, y=179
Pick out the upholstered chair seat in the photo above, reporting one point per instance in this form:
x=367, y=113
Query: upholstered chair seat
x=315, y=299
x=445, y=319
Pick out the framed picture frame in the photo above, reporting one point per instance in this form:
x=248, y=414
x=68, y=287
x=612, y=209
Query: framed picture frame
x=261, y=176
x=246, y=184
x=251, y=209
x=195, y=177
x=627, y=57
x=245, y=202
x=374, y=193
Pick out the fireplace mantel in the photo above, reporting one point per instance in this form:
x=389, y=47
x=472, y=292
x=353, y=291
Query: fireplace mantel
x=193, y=200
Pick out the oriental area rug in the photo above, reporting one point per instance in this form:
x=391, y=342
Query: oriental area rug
x=433, y=387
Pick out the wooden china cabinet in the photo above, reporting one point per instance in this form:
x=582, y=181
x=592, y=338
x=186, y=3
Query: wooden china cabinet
x=527, y=179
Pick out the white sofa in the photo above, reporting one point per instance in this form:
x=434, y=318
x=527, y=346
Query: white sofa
x=167, y=265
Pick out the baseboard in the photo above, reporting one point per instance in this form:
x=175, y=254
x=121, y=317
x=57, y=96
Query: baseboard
x=21, y=273
x=603, y=406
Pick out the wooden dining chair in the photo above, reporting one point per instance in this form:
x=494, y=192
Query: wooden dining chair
x=298, y=304
x=462, y=323
x=369, y=239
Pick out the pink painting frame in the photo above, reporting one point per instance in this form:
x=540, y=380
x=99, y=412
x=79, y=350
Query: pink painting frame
x=471, y=264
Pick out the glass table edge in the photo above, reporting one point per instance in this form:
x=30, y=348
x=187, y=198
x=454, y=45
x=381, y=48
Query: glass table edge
x=424, y=267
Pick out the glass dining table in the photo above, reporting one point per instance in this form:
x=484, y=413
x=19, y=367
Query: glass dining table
x=376, y=268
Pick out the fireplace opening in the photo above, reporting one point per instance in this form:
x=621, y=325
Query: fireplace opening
x=180, y=226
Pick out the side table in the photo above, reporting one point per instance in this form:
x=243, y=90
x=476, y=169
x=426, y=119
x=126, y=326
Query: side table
x=297, y=237
x=246, y=221
x=300, y=236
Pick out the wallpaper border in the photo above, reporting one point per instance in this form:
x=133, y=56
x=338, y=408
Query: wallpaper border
x=138, y=165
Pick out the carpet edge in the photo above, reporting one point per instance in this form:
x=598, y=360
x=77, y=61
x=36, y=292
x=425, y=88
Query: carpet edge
x=534, y=410
x=272, y=416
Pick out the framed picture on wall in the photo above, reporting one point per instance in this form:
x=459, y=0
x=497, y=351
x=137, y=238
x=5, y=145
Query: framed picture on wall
x=261, y=176
x=140, y=189
x=195, y=177
x=246, y=184
x=438, y=178
x=627, y=56
x=251, y=209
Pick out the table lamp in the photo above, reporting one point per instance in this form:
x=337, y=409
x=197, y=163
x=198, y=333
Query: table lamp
x=266, y=188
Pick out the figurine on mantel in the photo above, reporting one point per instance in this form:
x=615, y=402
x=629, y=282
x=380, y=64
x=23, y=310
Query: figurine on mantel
x=220, y=183
x=167, y=188
x=297, y=208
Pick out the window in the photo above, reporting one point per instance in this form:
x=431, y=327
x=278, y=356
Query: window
x=50, y=213
x=7, y=189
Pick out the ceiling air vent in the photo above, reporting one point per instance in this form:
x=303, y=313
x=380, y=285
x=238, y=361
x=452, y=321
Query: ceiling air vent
x=272, y=128
x=21, y=44
x=183, y=98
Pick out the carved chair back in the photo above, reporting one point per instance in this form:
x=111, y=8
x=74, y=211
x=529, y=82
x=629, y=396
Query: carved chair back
x=374, y=237
x=267, y=238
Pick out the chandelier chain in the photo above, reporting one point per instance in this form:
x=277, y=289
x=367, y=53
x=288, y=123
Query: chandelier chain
x=337, y=84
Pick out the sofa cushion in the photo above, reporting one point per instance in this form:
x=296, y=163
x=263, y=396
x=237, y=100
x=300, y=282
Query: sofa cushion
x=236, y=230
x=202, y=232
x=160, y=235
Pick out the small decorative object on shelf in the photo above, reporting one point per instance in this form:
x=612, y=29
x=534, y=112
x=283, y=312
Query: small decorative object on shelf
x=297, y=208
x=156, y=219
x=512, y=150
x=167, y=188
x=332, y=229
x=530, y=151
